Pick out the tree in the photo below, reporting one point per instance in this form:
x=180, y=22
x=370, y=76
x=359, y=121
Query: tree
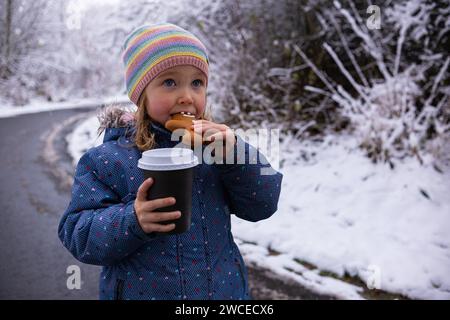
x=5, y=43
x=397, y=100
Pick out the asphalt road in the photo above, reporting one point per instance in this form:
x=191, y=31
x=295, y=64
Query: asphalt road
x=34, y=192
x=33, y=262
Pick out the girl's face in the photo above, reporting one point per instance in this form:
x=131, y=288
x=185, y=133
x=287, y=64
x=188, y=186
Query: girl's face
x=181, y=88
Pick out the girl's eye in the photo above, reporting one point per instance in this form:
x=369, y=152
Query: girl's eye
x=169, y=82
x=197, y=83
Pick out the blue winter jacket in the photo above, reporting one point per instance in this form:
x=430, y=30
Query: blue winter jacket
x=100, y=226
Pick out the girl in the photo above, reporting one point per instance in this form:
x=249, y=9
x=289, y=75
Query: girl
x=110, y=223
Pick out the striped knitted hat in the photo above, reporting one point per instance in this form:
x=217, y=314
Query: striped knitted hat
x=152, y=49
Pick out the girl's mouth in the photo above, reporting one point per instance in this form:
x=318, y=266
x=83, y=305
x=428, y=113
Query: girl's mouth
x=184, y=113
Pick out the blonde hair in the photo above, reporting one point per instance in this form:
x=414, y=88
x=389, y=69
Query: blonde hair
x=144, y=138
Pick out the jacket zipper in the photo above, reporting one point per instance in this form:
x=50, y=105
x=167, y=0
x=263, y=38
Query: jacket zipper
x=118, y=295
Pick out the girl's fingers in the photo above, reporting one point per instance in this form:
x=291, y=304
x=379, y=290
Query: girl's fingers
x=153, y=217
x=209, y=123
x=155, y=227
x=143, y=189
x=201, y=127
x=228, y=136
x=207, y=132
x=159, y=203
x=218, y=136
x=206, y=125
x=201, y=122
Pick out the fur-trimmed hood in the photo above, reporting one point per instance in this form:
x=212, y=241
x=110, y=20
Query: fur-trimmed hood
x=116, y=120
x=115, y=116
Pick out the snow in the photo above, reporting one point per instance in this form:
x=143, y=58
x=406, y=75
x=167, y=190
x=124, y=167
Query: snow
x=284, y=265
x=338, y=211
x=84, y=4
x=343, y=214
x=36, y=106
x=83, y=137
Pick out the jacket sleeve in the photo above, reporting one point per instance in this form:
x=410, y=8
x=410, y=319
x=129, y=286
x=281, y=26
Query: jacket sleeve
x=96, y=227
x=253, y=186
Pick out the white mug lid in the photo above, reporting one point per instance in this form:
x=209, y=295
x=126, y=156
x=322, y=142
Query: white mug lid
x=164, y=159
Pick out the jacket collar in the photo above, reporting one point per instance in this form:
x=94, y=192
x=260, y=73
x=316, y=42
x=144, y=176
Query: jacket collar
x=114, y=133
x=163, y=135
x=159, y=128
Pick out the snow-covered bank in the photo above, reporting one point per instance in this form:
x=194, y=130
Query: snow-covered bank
x=343, y=214
x=39, y=106
x=83, y=137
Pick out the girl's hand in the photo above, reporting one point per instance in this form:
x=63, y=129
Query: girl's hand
x=219, y=133
x=147, y=218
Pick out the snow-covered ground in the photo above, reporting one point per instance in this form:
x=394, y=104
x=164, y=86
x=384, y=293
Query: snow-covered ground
x=345, y=215
x=341, y=213
x=40, y=106
x=83, y=137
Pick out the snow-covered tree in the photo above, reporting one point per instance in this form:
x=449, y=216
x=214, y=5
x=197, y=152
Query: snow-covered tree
x=398, y=100
x=311, y=66
x=257, y=77
x=24, y=25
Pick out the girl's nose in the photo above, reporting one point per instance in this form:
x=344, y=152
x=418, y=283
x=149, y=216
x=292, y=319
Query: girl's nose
x=185, y=97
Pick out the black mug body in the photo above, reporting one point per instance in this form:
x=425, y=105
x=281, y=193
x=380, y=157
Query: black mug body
x=177, y=184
